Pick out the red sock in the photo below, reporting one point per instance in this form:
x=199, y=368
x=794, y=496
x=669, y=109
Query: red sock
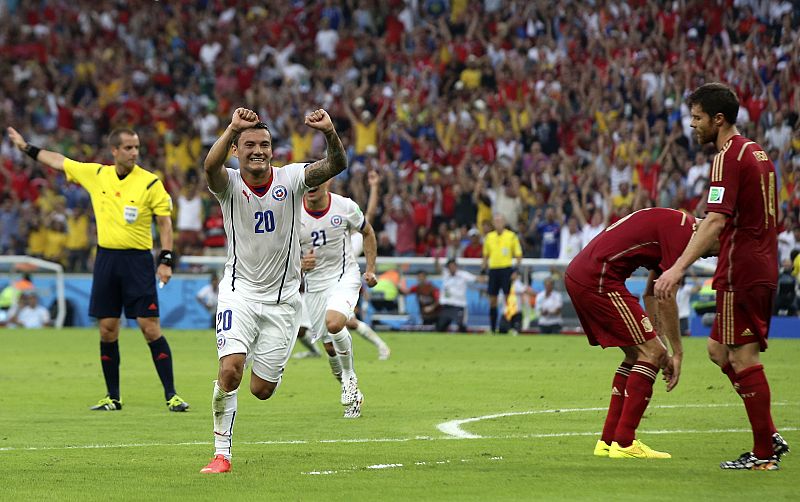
x=617, y=400
x=637, y=395
x=728, y=370
x=753, y=388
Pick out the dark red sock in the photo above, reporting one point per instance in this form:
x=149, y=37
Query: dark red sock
x=728, y=370
x=637, y=395
x=617, y=400
x=751, y=383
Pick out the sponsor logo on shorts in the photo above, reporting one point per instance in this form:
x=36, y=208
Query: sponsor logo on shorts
x=747, y=332
x=715, y=195
x=647, y=325
x=221, y=341
x=279, y=192
x=336, y=220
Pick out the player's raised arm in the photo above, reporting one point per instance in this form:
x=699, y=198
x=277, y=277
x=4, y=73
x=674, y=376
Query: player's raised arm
x=336, y=158
x=46, y=157
x=370, y=253
x=214, y=165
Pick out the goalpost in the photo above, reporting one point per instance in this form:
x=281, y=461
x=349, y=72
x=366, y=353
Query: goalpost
x=38, y=263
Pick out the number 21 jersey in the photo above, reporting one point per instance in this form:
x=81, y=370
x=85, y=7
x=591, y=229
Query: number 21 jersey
x=327, y=232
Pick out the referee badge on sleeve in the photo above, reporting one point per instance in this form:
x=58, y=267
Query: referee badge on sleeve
x=131, y=213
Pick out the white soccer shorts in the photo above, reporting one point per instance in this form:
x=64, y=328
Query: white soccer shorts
x=341, y=297
x=266, y=333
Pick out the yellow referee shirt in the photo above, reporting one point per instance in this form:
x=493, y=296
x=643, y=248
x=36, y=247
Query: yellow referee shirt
x=123, y=208
x=501, y=249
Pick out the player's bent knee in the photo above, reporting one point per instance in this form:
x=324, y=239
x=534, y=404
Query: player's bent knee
x=335, y=321
x=231, y=369
x=263, y=390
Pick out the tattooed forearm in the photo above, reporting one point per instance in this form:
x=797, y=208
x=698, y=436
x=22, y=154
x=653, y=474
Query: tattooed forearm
x=336, y=161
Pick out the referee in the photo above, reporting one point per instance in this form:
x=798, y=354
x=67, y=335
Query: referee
x=125, y=198
x=500, y=247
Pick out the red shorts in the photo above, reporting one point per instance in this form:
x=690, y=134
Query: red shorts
x=743, y=316
x=613, y=318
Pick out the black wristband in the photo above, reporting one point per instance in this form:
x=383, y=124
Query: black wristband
x=32, y=151
x=165, y=258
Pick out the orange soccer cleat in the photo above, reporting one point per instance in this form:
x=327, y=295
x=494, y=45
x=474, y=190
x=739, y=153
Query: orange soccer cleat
x=218, y=465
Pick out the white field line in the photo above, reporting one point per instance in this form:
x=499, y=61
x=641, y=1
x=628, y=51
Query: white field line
x=453, y=427
x=442, y=427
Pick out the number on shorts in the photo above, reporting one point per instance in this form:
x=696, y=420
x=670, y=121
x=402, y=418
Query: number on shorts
x=265, y=221
x=316, y=236
x=224, y=320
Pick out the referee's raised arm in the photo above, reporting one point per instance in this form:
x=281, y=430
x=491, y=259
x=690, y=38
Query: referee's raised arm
x=46, y=157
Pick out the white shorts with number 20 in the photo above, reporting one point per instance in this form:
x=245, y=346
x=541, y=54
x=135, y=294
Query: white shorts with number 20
x=264, y=332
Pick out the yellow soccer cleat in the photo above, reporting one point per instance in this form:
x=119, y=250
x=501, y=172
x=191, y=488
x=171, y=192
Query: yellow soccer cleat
x=601, y=448
x=637, y=449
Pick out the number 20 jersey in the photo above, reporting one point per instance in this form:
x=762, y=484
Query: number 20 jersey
x=327, y=232
x=263, y=262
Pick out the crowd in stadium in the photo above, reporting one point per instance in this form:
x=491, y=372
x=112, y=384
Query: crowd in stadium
x=562, y=116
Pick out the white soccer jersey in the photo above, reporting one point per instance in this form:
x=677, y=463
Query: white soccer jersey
x=263, y=253
x=328, y=233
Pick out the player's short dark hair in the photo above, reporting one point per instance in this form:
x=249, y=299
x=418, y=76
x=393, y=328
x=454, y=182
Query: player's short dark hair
x=714, y=98
x=115, y=136
x=259, y=125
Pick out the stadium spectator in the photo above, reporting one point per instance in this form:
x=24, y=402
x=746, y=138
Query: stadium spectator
x=427, y=298
x=453, y=298
x=548, y=308
x=28, y=313
x=207, y=297
x=128, y=198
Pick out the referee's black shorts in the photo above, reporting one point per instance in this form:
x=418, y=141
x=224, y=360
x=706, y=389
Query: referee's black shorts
x=123, y=278
x=499, y=278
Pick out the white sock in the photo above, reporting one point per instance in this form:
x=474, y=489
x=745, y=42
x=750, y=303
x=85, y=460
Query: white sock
x=223, y=407
x=344, y=349
x=365, y=331
x=336, y=366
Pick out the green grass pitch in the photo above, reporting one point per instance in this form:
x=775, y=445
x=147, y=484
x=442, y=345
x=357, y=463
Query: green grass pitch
x=297, y=446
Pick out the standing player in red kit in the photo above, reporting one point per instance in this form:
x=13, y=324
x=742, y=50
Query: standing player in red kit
x=742, y=215
x=612, y=317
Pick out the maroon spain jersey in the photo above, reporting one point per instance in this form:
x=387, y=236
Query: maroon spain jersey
x=742, y=187
x=652, y=238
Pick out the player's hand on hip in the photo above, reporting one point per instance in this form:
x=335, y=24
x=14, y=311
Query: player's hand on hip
x=370, y=279
x=243, y=118
x=164, y=273
x=320, y=120
x=16, y=138
x=308, y=261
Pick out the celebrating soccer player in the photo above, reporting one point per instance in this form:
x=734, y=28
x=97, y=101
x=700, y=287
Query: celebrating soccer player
x=742, y=214
x=259, y=300
x=332, y=277
x=612, y=317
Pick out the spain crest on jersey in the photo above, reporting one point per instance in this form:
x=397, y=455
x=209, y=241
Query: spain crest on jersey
x=279, y=192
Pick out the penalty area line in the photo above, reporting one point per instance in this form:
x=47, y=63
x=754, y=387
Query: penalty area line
x=453, y=427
